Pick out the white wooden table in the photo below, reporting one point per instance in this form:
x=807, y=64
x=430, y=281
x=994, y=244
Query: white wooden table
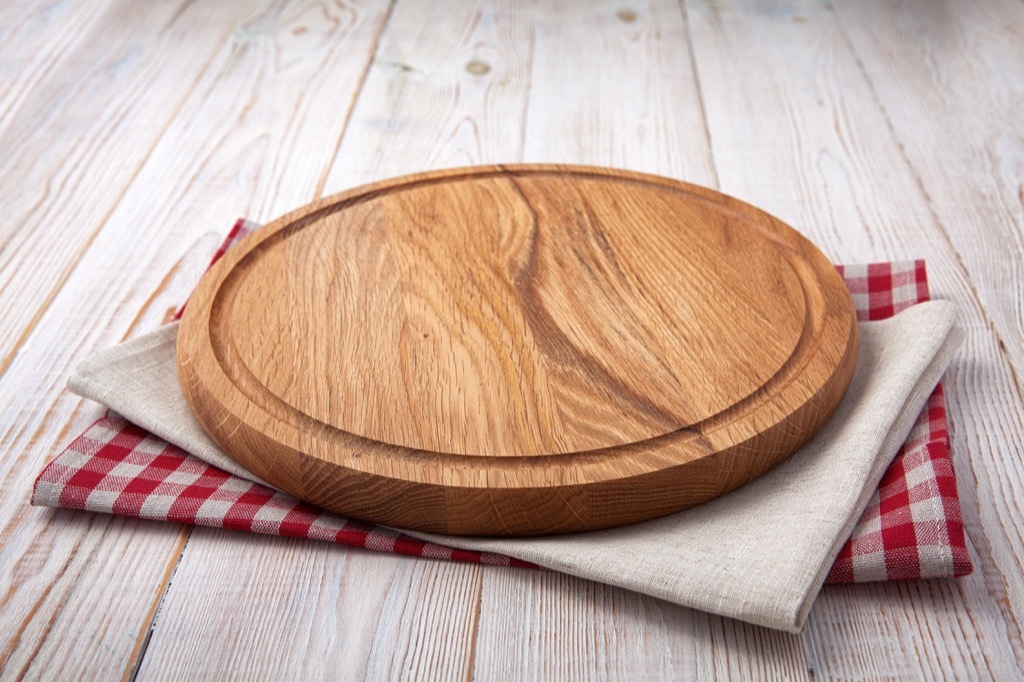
x=133, y=133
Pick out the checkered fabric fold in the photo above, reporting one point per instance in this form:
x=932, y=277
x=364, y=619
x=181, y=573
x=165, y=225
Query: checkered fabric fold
x=912, y=527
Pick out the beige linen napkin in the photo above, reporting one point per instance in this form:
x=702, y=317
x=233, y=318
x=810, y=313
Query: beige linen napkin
x=759, y=554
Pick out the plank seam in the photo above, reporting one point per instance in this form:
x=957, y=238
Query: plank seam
x=919, y=183
x=524, y=119
x=374, y=49
x=76, y=262
x=132, y=672
x=474, y=635
x=700, y=93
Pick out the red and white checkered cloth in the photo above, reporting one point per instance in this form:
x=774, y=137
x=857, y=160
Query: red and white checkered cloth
x=912, y=527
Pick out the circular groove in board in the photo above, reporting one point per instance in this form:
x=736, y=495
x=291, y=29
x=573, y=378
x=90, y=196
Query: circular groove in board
x=514, y=350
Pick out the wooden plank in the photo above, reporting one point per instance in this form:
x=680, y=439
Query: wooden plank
x=863, y=630
x=77, y=587
x=612, y=84
x=274, y=92
x=299, y=608
x=37, y=40
x=549, y=625
x=78, y=141
x=428, y=624
x=447, y=89
x=785, y=81
x=362, y=623
x=954, y=99
x=418, y=111
x=125, y=269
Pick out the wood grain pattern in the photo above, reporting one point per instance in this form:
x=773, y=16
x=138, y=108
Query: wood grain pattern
x=63, y=613
x=402, y=119
x=39, y=39
x=978, y=207
x=570, y=628
x=800, y=59
x=612, y=84
x=360, y=614
x=883, y=129
x=518, y=349
x=124, y=566
x=444, y=98
x=109, y=121
x=533, y=626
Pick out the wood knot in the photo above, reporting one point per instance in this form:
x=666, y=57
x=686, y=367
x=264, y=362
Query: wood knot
x=478, y=68
x=626, y=15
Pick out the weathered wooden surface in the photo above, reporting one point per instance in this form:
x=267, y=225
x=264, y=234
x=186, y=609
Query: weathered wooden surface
x=131, y=131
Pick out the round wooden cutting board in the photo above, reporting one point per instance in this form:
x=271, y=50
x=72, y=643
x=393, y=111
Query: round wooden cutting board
x=517, y=350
